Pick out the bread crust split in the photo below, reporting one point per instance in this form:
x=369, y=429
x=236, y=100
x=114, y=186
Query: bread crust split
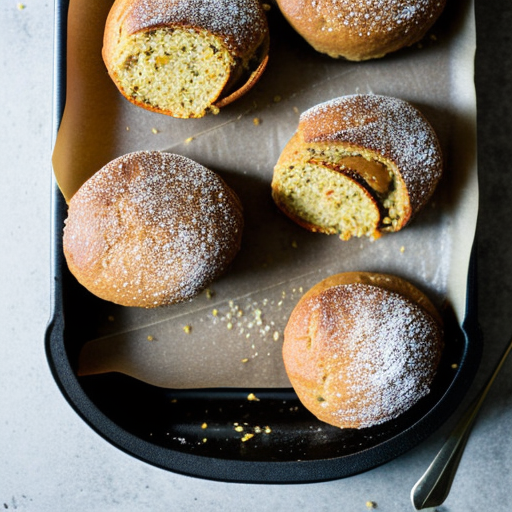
x=151, y=229
x=358, y=165
x=185, y=58
x=361, y=30
x=362, y=348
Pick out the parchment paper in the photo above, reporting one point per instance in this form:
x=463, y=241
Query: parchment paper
x=231, y=334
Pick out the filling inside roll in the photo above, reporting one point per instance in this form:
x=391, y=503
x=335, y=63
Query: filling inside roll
x=344, y=193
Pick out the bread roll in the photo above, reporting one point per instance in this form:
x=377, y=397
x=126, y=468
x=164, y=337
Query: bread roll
x=151, y=229
x=362, y=348
x=359, y=165
x=185, y=58
x=360, y=30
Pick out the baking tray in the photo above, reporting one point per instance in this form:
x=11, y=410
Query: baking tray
x=166, y=427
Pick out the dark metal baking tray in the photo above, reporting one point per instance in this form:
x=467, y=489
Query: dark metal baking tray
x=164, y=427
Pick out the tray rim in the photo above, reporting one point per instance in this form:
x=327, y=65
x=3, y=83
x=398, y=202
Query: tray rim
x=241, y=471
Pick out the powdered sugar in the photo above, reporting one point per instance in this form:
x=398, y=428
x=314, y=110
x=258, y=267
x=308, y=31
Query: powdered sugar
x=241, y=23
x=389, y=346
x=168, y=225
x=367, y=17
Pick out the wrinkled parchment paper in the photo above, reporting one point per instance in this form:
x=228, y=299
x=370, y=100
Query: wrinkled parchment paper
x=231, y=334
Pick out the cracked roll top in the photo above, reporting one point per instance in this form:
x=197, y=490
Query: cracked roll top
x=151, y=229
x=361, y=29
x=185, y=58
x=362, y=348
x=359, y=165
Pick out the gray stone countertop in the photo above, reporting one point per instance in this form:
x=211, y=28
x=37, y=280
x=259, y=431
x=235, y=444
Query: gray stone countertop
x=51, y=461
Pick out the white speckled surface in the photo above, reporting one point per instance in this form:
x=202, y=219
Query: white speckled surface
x=51, y=461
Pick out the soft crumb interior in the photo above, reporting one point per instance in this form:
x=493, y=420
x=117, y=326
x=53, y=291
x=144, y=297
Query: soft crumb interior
x=179, y=70
x=393, y=201
x=326, y=198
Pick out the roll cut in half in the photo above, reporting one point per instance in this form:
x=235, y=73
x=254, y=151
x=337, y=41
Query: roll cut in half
x=359, y=165
x=185, y=58
x=151, y=229
x=362, y=348
x=360, y=30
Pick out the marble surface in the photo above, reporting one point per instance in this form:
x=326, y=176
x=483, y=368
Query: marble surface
x=51, y=461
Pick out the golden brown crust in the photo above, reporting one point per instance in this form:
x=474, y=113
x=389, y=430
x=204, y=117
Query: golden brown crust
x=361, y=30
x=362, y=348
x=241, y=25
x=151, y=229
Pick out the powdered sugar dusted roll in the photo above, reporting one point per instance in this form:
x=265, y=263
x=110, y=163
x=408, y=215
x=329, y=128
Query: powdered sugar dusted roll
x=362, y=348
x=358, y=165
x=361, y=29
x=151, y=229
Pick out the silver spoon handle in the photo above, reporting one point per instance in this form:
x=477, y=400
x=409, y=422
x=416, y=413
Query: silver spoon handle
x=433, y=487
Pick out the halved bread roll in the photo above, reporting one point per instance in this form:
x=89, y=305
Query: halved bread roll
x=185, y=58
x=358, y=165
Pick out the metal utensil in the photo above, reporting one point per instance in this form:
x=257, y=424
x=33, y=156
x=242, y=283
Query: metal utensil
x=433, y=487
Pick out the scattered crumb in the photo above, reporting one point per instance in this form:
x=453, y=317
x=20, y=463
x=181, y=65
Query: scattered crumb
x=433, y=37
x=150, y=338
x=187, y=329
x=277, y=98
x=256, y=121
x=215, y=312
x=455, y=366
x=267, y=430
x=252, y=397
x=209, y=293
x=239, y=428
x=204, y=439
x=371, y=504
x=204, y=425
x=245, y=360
x=275, y=335
x=266, y=7
x=154, y=130
x=229, y=326
x=20, y=6
x=402, y=249
x=214, y=110
x=247, y=437
x=189, y=140
x=111, y=318
x=296, y=110
x=127, y=128
x=294, y=244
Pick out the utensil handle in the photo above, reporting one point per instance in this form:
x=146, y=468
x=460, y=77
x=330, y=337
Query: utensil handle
x=433, y=487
